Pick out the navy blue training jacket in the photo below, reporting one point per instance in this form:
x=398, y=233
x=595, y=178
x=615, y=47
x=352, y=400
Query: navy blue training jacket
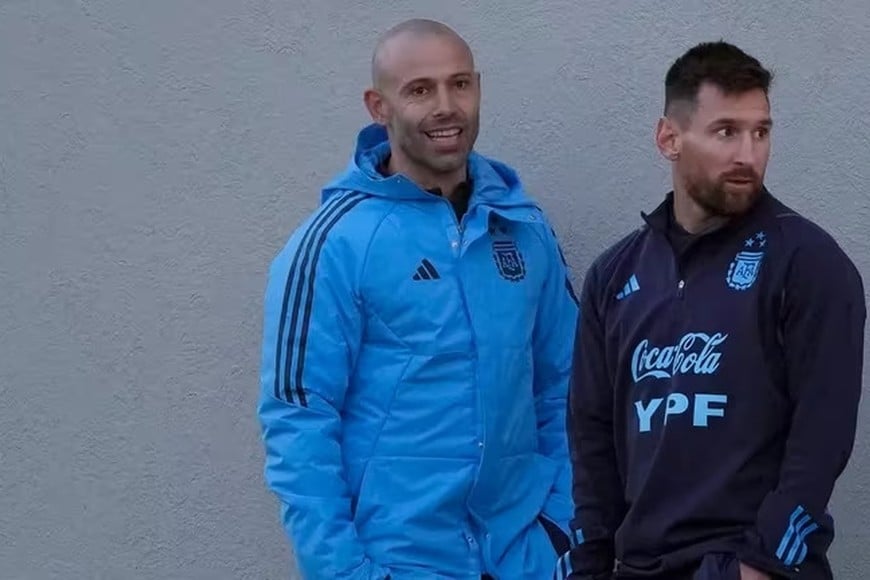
x=714, y=397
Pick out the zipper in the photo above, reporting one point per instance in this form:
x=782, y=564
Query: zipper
x=681, y=278
x=460, y=225
x=678, y=267
x=475, y=551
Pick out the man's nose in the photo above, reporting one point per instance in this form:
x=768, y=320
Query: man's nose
x=745, y=154
x=445, y=104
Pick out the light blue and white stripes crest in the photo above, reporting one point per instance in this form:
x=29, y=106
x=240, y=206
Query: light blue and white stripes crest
x=793, y=548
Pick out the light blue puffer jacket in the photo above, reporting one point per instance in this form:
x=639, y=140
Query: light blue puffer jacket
x=414, y=379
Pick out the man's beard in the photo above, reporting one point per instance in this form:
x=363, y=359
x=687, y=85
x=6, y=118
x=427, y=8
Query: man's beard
x=418, y=148
x=716, y=199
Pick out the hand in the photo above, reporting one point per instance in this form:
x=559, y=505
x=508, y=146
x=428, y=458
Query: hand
x=750, y=573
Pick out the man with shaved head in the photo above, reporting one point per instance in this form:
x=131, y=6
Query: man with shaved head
x=430, y=140
x=417, y=346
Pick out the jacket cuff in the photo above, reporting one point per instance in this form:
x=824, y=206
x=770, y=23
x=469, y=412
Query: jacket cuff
x=592, y=560
x=786, y=533
x=755, y=554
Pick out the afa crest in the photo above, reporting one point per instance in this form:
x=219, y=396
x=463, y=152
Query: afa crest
x=508, y=260
x=744, y=270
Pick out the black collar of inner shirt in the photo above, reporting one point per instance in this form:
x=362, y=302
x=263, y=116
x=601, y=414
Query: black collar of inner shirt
x=461, y=194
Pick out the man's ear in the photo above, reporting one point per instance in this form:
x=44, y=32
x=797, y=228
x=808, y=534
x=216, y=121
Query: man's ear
x=668, y=138
x=376, y=105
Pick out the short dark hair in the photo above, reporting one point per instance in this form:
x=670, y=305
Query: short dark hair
x=719, y=63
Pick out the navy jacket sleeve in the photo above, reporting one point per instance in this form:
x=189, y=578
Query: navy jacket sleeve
x=597, y=486
x=311, y=336
x=822, y=330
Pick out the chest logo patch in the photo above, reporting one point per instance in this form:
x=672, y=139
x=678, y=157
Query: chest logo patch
x=508, y=260
x=743, y=271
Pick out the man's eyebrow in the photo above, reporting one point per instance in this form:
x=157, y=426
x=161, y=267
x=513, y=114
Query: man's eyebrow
x=768, y=122
x=415, y=81
x=430, y=80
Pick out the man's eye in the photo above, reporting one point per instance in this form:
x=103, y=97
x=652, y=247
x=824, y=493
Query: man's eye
x=419, y=91
x=726, y=132
x=462, y=84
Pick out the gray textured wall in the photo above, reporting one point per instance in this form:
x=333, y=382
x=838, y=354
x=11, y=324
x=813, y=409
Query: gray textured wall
x=154, y=156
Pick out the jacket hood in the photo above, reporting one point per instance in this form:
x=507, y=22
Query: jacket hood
x=494, y=183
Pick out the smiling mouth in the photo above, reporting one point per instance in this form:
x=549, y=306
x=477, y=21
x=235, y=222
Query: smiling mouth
x=443, y=134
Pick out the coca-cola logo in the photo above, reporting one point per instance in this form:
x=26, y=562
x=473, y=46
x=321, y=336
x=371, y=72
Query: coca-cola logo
x=696, y=353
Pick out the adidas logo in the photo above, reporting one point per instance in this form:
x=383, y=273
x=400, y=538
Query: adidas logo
x=630, y=287
x=426, y=271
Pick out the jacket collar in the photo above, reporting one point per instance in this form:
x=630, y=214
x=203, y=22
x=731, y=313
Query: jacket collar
x=659, y=219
